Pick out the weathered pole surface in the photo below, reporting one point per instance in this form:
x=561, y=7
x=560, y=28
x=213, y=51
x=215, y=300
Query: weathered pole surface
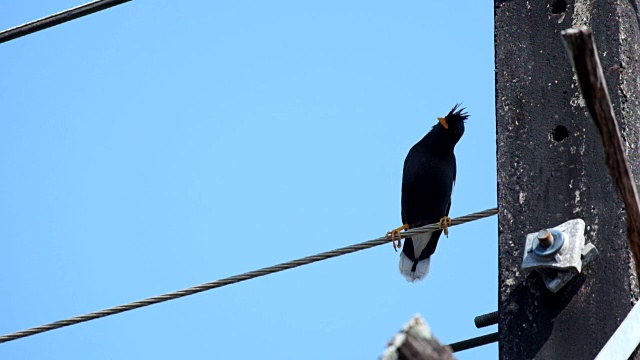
x=551, y=168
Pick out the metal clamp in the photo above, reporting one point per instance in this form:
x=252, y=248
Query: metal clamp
x=558, y=254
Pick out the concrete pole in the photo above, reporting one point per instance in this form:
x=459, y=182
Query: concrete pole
x=551, y=169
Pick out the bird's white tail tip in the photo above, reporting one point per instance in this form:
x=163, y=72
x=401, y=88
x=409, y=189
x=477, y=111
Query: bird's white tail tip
x=421, y=270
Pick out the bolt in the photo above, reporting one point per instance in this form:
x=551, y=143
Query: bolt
x=545, y=238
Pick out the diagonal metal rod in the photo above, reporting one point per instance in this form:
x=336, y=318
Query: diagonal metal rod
x=57, y=19
x=593, y=86
x=474, y=342
x=237, y=278
x=626, y=338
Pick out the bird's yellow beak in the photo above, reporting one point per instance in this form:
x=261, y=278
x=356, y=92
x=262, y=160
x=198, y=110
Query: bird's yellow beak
x=443, y=121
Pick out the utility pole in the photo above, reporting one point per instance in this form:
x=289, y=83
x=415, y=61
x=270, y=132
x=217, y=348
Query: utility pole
x=551, y=168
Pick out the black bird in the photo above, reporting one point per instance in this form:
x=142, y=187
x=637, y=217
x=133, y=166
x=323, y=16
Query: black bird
x=427, y=183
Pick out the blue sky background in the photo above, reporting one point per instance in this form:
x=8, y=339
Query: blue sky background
x=163, y=144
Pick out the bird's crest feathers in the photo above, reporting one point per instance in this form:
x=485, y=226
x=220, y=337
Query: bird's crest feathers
x=454, y=117
x=457, y=114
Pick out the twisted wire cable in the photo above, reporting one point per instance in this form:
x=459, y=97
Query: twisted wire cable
x=237, y=278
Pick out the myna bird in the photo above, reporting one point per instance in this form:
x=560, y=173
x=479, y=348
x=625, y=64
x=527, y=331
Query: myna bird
x=427, y=183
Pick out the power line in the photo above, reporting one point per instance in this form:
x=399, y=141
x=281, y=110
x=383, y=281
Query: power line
x=57, y=19
x=237, y=278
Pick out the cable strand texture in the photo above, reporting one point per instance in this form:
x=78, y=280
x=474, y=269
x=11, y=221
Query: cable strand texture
x=237, y=278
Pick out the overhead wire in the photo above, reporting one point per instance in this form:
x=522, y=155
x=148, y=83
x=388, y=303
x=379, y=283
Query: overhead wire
x=57, y=19
x=237, y=278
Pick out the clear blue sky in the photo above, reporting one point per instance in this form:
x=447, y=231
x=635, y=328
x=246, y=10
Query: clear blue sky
x=163, y=144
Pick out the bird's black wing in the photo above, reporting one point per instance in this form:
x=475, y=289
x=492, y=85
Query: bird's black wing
x=433, y=243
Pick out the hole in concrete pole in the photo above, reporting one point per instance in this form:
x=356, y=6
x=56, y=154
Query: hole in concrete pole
x=560, y=133
x=558, y=6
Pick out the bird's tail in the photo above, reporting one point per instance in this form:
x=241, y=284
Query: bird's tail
x=411, y=266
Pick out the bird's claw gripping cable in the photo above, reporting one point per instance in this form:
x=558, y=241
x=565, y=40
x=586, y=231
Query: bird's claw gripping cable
x=444, y=224
x=391, y=235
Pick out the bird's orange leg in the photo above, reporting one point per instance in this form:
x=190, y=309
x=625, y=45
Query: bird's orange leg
x=444, y=224
x=391, y=235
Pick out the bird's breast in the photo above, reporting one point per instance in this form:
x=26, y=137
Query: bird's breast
x=426, y=189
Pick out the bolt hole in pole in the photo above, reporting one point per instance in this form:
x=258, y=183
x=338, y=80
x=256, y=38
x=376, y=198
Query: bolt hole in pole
x=560, y=133
x=558, y=6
